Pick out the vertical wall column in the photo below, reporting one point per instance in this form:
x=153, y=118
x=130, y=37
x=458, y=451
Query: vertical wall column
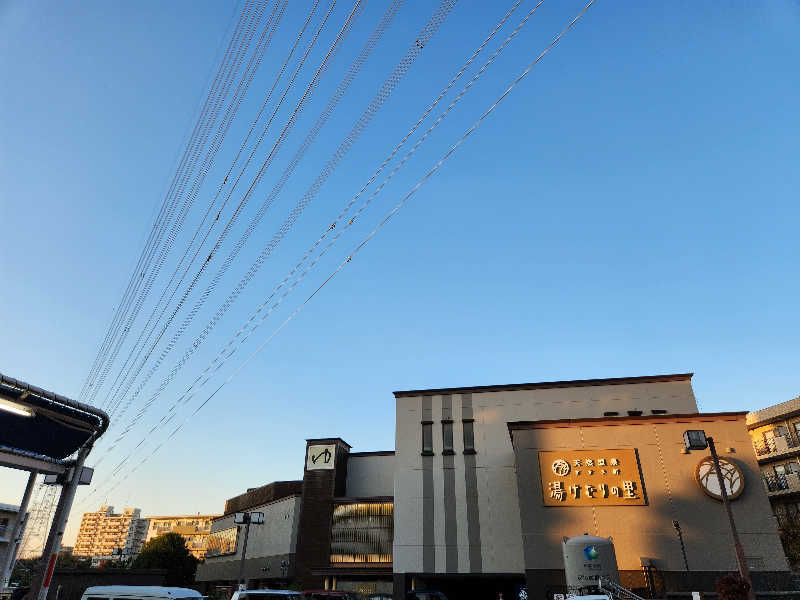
x=324, y=478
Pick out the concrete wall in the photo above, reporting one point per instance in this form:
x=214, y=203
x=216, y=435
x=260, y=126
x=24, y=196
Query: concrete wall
x=69, y=584
x=672, y=493
x=268, y=543
x=370, y=475
x=460, y=513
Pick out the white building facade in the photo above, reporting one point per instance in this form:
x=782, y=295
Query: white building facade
x=455, y=489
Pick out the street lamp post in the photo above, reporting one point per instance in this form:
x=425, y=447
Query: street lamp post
x=697, y=440
x=246, y=519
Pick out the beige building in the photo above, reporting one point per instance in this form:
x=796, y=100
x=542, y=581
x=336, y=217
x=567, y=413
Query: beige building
x=473, y=516
x=775, y=433
x=657, y=484
x=193, y=528
x=104, y=533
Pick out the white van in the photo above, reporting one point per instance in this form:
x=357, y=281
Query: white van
x=139, y=592
x=266, y=595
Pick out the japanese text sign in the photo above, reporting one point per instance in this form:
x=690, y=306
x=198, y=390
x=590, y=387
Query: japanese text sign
x=591, y=477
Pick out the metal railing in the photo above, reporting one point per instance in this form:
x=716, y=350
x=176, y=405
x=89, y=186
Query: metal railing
x=776, y=483
x=614, y=590
x=764, y=447
x=769, y=445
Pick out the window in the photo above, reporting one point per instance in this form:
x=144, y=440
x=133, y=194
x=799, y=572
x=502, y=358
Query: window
x=658, y=411
x=222, y=542
x=469, y=436
x=792, y=467
x=3, y=527
x=611, y=413
x=447, y=436
x=780, y=469
x=362, y=532
x=634, y=413
x=427, y=438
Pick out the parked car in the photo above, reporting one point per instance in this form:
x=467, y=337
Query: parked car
x=266, y=595
x=139, y=592
x=328, y=595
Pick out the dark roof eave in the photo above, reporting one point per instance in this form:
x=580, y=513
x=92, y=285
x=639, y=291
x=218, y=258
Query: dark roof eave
x=546, y=424
x=548, y=384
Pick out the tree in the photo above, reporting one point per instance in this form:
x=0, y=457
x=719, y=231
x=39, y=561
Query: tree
x=68, y=561
x=790, y=537
x=168, y=551
x=732, y=587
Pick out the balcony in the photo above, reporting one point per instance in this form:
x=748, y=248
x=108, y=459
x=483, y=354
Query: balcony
x=777, y=446
x=778, y=485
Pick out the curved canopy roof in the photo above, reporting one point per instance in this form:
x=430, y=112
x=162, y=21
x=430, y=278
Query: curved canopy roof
x=45, y=425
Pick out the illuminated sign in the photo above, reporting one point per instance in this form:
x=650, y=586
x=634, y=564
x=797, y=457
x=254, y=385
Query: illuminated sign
x=591, y=477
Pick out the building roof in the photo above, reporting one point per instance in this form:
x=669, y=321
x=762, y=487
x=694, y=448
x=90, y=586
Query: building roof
x=773, y=413
x=511, y=387
x=9, y=508
x=602, y=421
x=271, y=492
x=43, y=425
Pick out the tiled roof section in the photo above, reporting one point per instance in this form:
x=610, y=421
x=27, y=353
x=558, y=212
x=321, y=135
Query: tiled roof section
x=784, y=409
x=262, y=495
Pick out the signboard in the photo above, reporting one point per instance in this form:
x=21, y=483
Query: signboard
x=320, y=457
x=591, y=477
x=706, y=476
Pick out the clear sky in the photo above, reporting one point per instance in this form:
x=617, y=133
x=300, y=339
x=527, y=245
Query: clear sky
x=630, y=209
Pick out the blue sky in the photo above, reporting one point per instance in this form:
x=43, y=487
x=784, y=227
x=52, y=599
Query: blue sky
x=630, y=209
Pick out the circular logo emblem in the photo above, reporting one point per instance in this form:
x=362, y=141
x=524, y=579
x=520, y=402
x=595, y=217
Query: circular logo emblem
x=561, y=467
x=732, y=476
x=591, y=553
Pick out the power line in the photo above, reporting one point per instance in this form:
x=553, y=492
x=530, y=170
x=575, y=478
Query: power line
x=425, y=35
x=122, y=394
x=253, y=24
x=380, y=98
x=197, y=139
x=372, y=233
x=230, y=113
x=88, y=382
x=186, y=396
x=227, y=228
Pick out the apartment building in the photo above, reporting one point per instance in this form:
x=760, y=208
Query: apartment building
x=193, y=528
x=104, y=533
x=9, y=539
x=775, y=432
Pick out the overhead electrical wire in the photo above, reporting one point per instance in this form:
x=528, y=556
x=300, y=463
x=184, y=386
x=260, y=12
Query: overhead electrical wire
x=197, y=141
x=230, y=113
x=381, y=96
x=221, y=358
x=114, y=405
x=369, y=236
x=135, y=276
x=425, y=35
x=177, y=223
x=290, y=123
